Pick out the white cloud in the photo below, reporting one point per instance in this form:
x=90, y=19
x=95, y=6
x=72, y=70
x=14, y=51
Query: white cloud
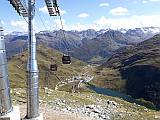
x=22, y=25
x=62, y=12
x=1, y=22
x=101, y=22
x=119, y=11
x=77, y=26
x=117, y=23
x=154, y=0
x=83, y=15
x=45, y=10
x=104, y=4
x=131, y=22
x=145, y=1
x=56, y=24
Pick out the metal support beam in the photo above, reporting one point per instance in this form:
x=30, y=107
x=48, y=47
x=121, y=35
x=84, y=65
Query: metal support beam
x=20, y=7
x=5, y=97
x=52, y=7
x=32, y=67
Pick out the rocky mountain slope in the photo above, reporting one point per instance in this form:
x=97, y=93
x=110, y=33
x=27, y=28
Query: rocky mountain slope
x=100, y=48
x=140, y=67
x=84, y=106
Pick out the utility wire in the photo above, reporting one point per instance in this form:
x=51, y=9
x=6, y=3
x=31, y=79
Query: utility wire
x=1, y=25
x=43, y=23
x=25, y=19
x=65, y=39
x=66, y=45
x=41, y=18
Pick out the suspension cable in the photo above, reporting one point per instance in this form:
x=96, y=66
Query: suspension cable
x=66, y=44
x=41, y=18
x=1, y=24
x=63, y=30
x=62, y=27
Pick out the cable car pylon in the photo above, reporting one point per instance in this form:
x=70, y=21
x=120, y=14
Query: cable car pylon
x=6, y=108
x=32, y=67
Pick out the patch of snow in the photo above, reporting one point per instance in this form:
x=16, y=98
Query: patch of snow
x=18, y=33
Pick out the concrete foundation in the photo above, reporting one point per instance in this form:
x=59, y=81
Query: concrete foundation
x=40, y=117
x=13, y=115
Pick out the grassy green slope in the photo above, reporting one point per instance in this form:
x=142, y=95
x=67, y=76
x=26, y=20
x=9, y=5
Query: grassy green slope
x=17, y=67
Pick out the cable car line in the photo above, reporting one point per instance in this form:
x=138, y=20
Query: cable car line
x=66, y=59
x=53, y=66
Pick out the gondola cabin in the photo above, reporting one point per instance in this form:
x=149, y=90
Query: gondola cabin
x=53, y=67
x=66, y=59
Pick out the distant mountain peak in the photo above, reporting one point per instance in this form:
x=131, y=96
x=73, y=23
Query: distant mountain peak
x=17, y=33
x=87, y=44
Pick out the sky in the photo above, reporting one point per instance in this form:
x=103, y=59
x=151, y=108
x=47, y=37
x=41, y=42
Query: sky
x=85, y=14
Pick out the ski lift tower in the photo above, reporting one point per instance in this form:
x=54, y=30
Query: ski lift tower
x=7, y=111
x=32, y=67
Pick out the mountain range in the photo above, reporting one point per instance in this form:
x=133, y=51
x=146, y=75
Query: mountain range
x=134, y=52
x=88, y=45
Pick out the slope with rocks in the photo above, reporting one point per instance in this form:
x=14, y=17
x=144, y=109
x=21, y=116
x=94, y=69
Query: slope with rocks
x=84, y=106
x=102, y=46
x=146, y=52
x=15, y=43
x=57, y=40
x=140, y=66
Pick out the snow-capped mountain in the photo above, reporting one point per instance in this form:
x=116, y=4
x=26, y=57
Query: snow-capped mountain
x=45, y=32
x=15, y=33
x=122, y=30
x=86, y=44
x=151, y=29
